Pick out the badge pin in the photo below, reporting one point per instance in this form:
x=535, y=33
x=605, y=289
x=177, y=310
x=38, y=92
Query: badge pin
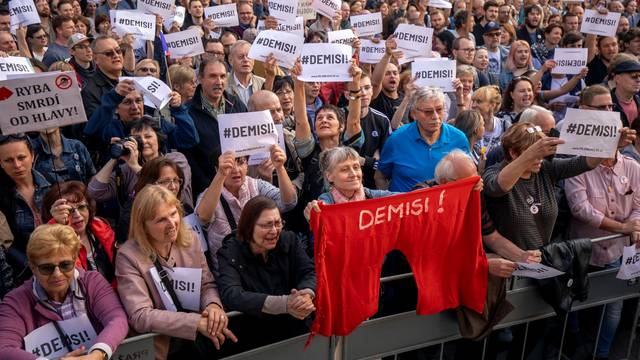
x=534, y=209
x=624, y=179
x=529, y=199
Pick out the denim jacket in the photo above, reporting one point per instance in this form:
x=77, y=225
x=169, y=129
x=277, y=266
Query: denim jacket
x=75, y=156
x=24, y=220
x=105, y=124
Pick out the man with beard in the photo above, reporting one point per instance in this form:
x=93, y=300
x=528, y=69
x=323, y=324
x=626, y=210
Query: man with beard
x=44, y=12
x=496, y=52
x=570, y=22
x=438, y=21
x=601, y=51
x=209, y=101
x=631, y=42
x=385, y=81
x=491, y=10
x=530, y=31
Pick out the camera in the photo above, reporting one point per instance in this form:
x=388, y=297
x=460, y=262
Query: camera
x=117, y=149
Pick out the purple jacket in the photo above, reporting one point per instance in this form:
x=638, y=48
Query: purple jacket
x=21, y=313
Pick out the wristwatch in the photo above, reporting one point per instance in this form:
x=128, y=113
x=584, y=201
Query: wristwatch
x=105, y=356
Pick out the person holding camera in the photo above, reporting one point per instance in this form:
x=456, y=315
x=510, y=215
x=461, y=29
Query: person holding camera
x=122, y=106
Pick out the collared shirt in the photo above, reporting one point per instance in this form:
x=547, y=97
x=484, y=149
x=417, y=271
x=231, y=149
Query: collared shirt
x=211, y=109
x=611, y=192
x=65, y=308
x=406, y=171
x=244, y=92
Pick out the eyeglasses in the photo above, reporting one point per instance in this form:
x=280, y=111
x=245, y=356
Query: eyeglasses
x=634, y=76
x=81, y=47
x=148, y=69
x=493, y=34
x=273, y=224
x=215, y=53
x=8, y=138
x=601, y=107
x=167, y=182
x=111, y=53
x=284, y=92
x=79, y=208
x=241, y=161
x=469, y=50
x=64, y=266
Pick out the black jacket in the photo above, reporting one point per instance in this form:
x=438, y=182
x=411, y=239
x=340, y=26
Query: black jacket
x=84, y=75
x=245, y=279
x=204, y=156
x=523, y=34
x=618, y=108
x=94, y=90
x=571, y=257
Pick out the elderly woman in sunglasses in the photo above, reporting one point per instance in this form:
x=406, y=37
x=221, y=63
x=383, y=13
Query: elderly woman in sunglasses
x=38, y=316
x=520, y=190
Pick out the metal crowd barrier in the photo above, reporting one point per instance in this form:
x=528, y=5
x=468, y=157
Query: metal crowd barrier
x=395, y=334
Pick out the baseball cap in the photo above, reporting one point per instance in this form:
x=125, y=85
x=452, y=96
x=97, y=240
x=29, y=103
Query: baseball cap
x=77, y=38
x=626, y=66
x=491, y=26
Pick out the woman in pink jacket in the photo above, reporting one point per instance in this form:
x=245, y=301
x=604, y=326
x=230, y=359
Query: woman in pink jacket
x=164, y=281
x=61, y=311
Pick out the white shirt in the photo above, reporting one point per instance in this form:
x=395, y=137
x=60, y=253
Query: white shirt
x=244, y=93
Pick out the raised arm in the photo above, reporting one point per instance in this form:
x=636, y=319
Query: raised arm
x=381, y=67
x=353, y=120
x=209, y=202
x=303, y=129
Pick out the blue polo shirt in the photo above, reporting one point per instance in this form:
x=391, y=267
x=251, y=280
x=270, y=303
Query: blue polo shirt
x=407, y=159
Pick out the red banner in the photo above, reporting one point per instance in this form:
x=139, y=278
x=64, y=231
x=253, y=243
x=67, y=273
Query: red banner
x=437, y=229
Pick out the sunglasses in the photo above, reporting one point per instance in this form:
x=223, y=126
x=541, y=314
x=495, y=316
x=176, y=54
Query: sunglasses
x=147, y=69
x=111, y=53
x=12, y=137
x=64, y=266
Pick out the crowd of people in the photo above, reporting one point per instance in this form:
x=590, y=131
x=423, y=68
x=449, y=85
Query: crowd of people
x=136, y=222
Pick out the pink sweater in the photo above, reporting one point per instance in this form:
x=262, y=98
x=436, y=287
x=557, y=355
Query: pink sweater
x=21, y=313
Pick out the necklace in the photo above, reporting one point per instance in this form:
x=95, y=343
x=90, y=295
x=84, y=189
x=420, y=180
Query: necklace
x=166, y=258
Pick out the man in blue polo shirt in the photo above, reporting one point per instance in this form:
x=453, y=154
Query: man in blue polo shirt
x=412, y=152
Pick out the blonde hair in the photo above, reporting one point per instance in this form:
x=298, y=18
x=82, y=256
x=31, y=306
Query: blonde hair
x=144, y=209
x=181, y=74
x=518, y=138
x=61, y=66
x=47, y=240
x=511, y=63
x=490, y=93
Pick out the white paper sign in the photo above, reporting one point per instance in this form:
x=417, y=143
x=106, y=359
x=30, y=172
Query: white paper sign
x=328, y=8
x=247, y=133
x=434, y=72
x=134, y=22
x=344, y=37
x=177, y=17
x=285, y=47
x=296, y=28
x=325, y=62
x=598, y=24
x=590, y=133
x=45, y=342
x=569, y=60
x=440, y=4
x=163, y=8
x=306, y=10
x=193, y=223
x=184, y=43
x=258, y=158
x=630, y=267
x=367, y=25
x=536, y=271
x=153, y=89
x=223, y=15
x=11, y=65
x=186, y=283
x=40, y=102
x=23, y=13
x=370, y=52
x=414, y=41
x=283, y=10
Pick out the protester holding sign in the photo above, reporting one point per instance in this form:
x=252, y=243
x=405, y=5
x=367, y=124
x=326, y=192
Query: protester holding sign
x=605, y=201
x=32, y=315
x=520, y=190
x=220, y=205
x=276, y=304
x=159, y=240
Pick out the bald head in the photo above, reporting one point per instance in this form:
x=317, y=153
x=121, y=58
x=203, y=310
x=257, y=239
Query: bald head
x=539, y=116
x=454, y=166
x=267, y=100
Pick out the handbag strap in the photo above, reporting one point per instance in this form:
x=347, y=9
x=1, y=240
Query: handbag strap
x=63, y=337
x=165, y=278
x=228, y=213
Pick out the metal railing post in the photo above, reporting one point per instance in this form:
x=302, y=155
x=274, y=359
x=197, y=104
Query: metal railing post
x=524, y=342
x=632, y=336
x=595, y=347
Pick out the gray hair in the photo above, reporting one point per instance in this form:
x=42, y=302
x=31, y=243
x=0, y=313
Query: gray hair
x=332, y=157
x=530, y=113
x=426, y=93
x=237, y=45
x=446, y=169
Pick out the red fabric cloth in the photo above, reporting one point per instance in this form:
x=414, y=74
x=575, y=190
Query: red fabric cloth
x=443, y=244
